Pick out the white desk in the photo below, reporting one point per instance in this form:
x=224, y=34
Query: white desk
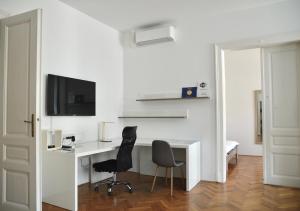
x=60, y=167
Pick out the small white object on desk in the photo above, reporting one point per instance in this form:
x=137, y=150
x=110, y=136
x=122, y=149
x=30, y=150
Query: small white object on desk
x=57, y=138
x=52, y=139
x=101, y=131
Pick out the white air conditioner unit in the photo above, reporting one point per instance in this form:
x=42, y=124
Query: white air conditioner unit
x=155, y=35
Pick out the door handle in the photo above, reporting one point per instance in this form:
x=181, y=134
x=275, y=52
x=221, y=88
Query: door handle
x=32, y=122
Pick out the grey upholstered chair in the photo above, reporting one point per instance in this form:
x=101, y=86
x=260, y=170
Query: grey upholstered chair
x=162, y=156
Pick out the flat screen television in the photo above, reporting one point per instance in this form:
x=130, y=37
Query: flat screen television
x=70, y=97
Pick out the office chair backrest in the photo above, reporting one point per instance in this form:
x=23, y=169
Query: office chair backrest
x=162, y=153
x=124, y=158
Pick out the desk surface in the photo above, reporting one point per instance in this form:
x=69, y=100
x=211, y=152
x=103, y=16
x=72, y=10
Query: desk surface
x=93, y=147
x=61, y=175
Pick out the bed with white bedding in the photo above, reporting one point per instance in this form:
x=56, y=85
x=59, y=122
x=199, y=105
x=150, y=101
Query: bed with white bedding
x=231, y=149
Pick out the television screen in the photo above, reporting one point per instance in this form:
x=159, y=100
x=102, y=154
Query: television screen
x=70, y=97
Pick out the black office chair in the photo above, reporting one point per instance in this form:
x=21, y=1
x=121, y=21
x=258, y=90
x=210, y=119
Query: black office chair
x=121, y=164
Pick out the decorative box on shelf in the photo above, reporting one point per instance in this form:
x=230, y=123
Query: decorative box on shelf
x=189, y=92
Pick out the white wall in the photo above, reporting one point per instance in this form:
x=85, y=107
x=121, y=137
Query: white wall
x=75, y=45
x=169, y=66
x=243, y=77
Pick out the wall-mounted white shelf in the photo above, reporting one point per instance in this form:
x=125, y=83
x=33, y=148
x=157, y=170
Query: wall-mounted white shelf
x=167, y=96
x=171, y=98
x=151, y=117
x=156, y=114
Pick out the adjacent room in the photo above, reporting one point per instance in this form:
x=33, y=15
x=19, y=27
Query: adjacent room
x=149, y=105
x=243, y=107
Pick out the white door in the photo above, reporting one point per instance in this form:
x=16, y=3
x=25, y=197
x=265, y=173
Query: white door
x=19, y=112
x=281, y=65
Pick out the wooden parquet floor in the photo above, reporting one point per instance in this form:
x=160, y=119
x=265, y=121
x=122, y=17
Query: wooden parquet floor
x=243, y=191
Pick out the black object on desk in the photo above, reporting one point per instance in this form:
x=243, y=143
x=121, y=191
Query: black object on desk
x=66, y=147
x=70, y=137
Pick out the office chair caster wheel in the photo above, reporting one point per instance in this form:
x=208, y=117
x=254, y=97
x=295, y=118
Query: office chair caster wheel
x=129, y=188
x=109, y=190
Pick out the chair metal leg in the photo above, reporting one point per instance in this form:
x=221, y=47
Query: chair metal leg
x=182, y=175
x=96, y=188
x=236, y=156
x=154, y=178
x=166, y=175
x=171, y=181
x=128, y=185
x=90, y=171
x=114, y=176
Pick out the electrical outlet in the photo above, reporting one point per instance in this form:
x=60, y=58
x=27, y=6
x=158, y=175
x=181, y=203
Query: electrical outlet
x=85, y=162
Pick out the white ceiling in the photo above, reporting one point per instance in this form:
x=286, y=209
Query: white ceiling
x=129, y=14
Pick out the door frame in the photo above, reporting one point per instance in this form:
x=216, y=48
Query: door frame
x=39, y=166
x=220, y=91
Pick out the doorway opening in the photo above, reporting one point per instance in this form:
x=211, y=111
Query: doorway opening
x=280, y=56
x=243, y=109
